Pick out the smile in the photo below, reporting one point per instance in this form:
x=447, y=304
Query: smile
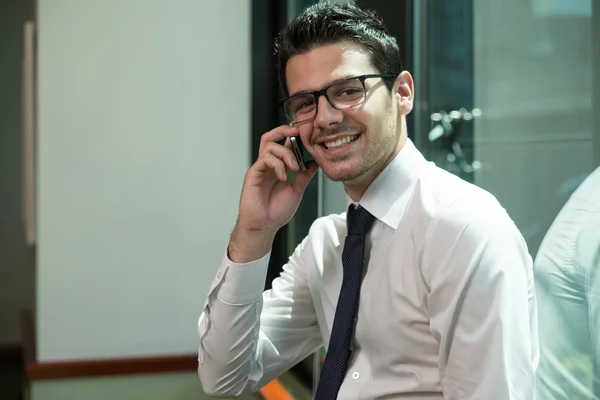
x=340, y=142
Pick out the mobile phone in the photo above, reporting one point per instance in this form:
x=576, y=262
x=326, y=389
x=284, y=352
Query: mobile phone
x=302, y=156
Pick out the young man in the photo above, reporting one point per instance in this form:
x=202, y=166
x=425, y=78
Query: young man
x=425, y=289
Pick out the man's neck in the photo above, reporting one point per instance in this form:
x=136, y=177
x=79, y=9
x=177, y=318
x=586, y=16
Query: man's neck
x=357, y=187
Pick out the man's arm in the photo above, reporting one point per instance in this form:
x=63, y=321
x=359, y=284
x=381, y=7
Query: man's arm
x=482, y=305
x=247, y=337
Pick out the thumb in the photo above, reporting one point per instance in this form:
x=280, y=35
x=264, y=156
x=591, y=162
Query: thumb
x=303, y=178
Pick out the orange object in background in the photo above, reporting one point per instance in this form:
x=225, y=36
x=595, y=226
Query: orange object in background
x=274, y=390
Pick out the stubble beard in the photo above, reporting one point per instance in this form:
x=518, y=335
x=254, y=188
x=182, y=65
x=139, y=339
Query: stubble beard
x=374, y=155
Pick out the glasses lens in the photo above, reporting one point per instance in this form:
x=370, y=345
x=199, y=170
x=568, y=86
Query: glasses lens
x=347, y=93
x=300, y=107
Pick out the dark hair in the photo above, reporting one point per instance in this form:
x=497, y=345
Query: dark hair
x=327, y=23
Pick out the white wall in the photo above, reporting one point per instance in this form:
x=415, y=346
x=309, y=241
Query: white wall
x=144, y=135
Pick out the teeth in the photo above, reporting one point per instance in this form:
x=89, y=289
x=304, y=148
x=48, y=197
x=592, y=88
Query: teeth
x=341, y=142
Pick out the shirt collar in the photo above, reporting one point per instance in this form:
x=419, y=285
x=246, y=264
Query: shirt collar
x=388, y=194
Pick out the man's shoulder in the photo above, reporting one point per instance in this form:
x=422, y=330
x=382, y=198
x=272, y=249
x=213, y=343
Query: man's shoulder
x=328, y=227
x=454, y=212
x=324, y=236
x=447, y=197
x=469, y=223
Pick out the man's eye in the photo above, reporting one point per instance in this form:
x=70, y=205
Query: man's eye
x=305, y=104
x=349, y=92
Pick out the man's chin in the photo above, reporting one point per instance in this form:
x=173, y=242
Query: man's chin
x=342, y=175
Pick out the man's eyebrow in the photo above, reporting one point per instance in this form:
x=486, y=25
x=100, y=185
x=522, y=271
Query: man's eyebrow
x=305, y=91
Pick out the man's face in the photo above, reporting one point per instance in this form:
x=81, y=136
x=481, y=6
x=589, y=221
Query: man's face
x=373, y=126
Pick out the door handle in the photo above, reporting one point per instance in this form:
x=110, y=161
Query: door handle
x=445, y=122
x=446, y=125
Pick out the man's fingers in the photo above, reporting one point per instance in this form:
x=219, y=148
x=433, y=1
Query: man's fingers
x=288, y=143
x=277, y=134
x=279, y=158
x=303, y=178
x=283, y=153
x=269, y=161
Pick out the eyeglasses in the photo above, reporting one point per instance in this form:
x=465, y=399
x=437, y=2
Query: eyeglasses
x=343, y=94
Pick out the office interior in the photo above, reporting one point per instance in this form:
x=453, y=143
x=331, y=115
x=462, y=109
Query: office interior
x=126, y=128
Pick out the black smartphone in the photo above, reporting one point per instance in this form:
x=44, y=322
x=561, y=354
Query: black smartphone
x=302, y=156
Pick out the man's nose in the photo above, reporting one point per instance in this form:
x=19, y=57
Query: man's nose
x=327, y=115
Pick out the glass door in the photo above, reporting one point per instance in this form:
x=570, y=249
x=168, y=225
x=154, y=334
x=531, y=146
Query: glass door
x=442, y=65
x=504, y=100
x=507, y=97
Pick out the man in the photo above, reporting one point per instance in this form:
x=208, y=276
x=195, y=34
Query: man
x=446, y=306
x=567, y=271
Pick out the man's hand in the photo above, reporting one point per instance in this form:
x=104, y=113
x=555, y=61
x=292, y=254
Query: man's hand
x=268, y=200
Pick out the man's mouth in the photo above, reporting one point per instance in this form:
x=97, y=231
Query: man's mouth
x=340, y=142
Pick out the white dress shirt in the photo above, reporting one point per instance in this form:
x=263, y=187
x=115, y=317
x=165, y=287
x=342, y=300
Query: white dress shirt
x=447, y=307
x=567, y=271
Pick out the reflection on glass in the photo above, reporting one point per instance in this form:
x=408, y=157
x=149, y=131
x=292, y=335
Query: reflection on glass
x=567, y=272
x=532, y=80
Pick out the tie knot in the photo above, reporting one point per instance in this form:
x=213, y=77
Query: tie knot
x=359, y=220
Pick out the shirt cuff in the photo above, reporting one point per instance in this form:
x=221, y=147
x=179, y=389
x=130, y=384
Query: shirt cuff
x=243, y=283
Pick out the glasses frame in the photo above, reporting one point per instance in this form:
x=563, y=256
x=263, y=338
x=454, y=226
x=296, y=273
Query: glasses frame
x=323, y=92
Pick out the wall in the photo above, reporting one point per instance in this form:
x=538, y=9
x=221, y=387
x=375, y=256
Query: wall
x=143, y=144
x=179, y=386
x=13, y=293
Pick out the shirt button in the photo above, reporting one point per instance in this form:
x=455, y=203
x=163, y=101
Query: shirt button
x=219, y=275
x=355, y=375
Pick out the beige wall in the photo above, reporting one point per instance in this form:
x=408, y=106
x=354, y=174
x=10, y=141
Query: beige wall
x=144, y=139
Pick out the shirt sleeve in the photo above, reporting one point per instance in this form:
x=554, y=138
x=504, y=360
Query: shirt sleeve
x=247, y=337
x=482, y=305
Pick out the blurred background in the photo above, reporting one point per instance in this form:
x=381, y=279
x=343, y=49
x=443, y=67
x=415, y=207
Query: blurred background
x=126, y=127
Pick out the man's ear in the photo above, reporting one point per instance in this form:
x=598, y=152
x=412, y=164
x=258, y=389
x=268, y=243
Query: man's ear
x=404, y=91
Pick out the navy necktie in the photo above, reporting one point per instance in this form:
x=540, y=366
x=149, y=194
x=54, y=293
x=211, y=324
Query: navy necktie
x=338, y=352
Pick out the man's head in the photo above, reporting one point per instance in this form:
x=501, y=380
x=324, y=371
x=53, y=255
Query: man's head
x=329, y=43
